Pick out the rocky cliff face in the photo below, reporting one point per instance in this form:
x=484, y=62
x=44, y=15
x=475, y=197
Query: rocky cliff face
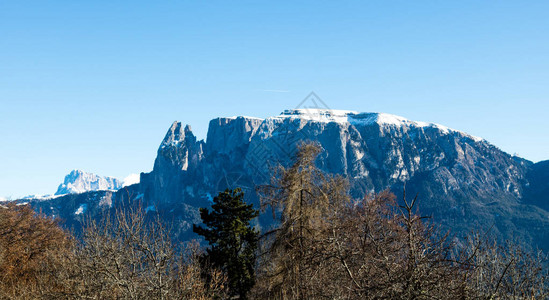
x=463, y=181
x=178, y=156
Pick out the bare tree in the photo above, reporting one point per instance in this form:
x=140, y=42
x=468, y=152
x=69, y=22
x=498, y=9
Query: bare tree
x=375, y=249
x=300, y=196
x=128, y=257
x=123, y=256
x=504, y=271
x=329, y=247
x=33, y=251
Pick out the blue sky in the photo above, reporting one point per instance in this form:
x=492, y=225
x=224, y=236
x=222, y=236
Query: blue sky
x=94, y=85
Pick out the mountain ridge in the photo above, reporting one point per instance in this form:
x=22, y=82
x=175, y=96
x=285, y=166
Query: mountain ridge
x=463, y=181
x=476, y=178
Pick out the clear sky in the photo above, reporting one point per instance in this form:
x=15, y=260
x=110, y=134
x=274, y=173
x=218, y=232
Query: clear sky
x=94, y=85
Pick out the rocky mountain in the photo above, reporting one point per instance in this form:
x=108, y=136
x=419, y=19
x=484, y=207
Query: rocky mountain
x=79, y=182
x=463, y=181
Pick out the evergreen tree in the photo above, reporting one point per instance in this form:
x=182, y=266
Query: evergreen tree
x=232, y=240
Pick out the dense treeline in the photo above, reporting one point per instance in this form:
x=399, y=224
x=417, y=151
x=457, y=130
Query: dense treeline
x=122, y=257
x=329, y=246
x=325, y=245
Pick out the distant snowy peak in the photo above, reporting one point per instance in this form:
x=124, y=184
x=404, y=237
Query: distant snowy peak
x=79, y=182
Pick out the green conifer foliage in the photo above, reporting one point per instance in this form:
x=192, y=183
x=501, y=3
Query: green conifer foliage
x=233, y=242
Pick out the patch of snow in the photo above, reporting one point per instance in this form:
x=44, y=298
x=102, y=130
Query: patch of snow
x=42, y=197
x=318, y=115
x=106, y=200
x=131, y=179
x=388, y=119
x=244, y=117
x=358, y=153
x=170, y=144
x=39, y=197
x=361, y=119
x=81, y=209
x=475, y=138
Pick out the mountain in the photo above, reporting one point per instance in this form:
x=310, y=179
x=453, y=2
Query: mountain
x=79, y=182
x=463, y=181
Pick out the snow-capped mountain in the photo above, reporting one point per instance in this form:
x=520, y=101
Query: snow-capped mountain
x=463, y=181
x=77, y=182
x=374, y=150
